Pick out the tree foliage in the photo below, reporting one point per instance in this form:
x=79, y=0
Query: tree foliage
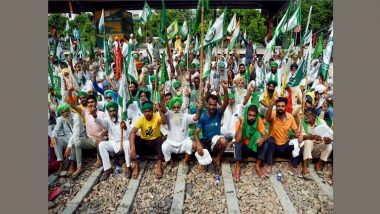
x=82, y=22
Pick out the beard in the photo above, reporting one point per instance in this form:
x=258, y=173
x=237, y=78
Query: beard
x=280, y=112
x=251, y=122
x=114, y=119
x=68, y=119
x=270, y=91
x=177, y=118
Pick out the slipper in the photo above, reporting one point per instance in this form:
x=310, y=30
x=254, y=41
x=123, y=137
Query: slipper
x=320, y=174
x=54, y=193
x=307, y=177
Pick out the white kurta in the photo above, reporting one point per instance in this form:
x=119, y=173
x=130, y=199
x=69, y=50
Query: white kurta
x=113, y=144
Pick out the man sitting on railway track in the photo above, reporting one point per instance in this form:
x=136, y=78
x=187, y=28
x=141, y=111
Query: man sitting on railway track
x=280, y=122
x=210, y=124
x=114, y=125
x=178, y=140
x=150, y=140
x=250, y=139
x=95, y=132
x=72, y=128
x=314, y=145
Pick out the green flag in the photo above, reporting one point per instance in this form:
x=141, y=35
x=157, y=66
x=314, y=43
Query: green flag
x=198, y=14
x=162, y=33
x=294, y=20
x=67, y=31
x=107, y=57
x=207, y=65
x=146, y=12
x=172, y=30
x=92, y=52
x=83, y=50
x=295, y=80
x=164, y=73
x=327, y=55
x=319, y=47
x=50, y=71
x=124, y=97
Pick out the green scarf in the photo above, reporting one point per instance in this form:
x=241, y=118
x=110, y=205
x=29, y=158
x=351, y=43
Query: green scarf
x=275, y=78
x=251, y=131
x=306, y=127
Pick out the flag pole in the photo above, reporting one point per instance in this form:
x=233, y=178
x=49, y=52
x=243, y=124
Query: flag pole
x=201, y=52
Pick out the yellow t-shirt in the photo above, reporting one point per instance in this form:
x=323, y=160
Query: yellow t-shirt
x=150, y=130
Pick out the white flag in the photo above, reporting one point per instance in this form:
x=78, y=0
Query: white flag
x=139, y=31
x=232, y=24
x=101, y=22
x=234, y=36
x=215, y=33
x=184, y=30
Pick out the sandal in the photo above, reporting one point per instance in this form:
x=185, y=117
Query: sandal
x=307, y=177
x=77, y=172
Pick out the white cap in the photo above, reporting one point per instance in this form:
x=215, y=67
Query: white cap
x=320, y=88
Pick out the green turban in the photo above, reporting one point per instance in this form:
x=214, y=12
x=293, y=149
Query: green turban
x=109, y=92
x=272, y=82
x=182, y=64
x=231, y=96
x=63, y=107
x=135, y=56
x=221, y=64
x=82, y=93
x=192, y=65
x=112, y=105
x=146, y=105
x=177, y=84
x=295, y=56
x=175, y=100
x=274, y=64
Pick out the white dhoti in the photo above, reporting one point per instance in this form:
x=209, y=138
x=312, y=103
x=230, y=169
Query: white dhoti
x=106, y=147
x=169, y=147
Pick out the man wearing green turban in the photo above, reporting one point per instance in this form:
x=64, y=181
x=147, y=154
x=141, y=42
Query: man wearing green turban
x=250, y=140
x=67, y=131
x=82, y=99
x=178, y=140
x=182, y=64
x=150, y=140
x=275, y=75
x=113, y=124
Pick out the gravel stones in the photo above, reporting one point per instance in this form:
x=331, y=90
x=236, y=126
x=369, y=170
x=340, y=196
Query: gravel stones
x=306, y=196
x=204, y=196
x=155, y=195
x=70, y=187
x=255, y=195
x=106, y=195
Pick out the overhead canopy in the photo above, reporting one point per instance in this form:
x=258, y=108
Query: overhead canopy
x=267, y=7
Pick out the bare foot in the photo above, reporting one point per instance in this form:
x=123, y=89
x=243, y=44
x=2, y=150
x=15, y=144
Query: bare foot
x=259, y=171
x=59, y=169
x=236, y=175
x=158, y=172
x=135, y=172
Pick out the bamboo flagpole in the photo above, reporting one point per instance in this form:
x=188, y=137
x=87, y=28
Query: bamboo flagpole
x=201, y=52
